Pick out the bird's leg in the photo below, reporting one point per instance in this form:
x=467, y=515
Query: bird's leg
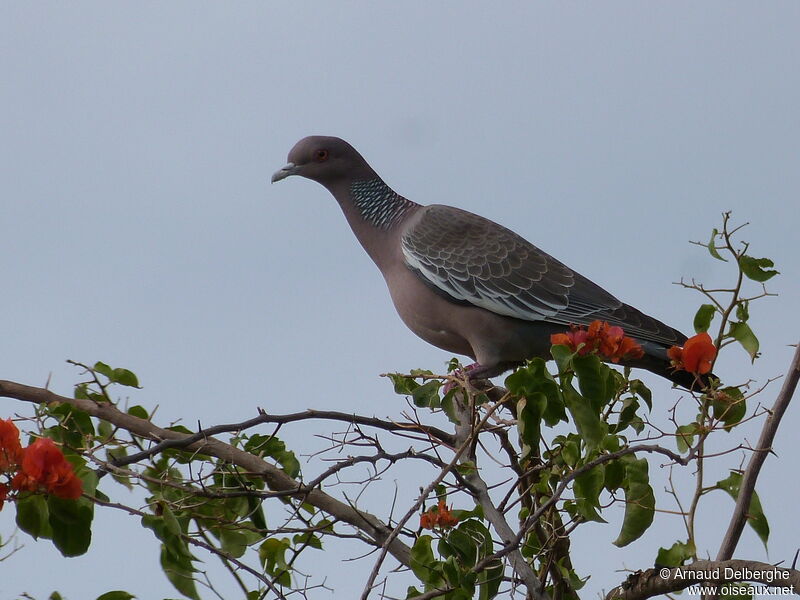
x=477, y=371
x=468, y=370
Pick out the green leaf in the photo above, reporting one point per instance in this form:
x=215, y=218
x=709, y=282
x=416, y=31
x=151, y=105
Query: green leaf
x=71, y=522
x=489, y=580
x=452, y=573
x=703, y=317
x=712, y=248
x=592, y=378
x=534, y=379
x=256, y=512
x=571, y=450
x=180, y=429
x=289, y=463
x=742, y=333
x=587, y=489
x=684, y=437
x=103, y=369
x=614, y=475
x=104, y=430
x=271, y=446
x=757, y=269
x=675, y=555
x=638, y=387
x=233, y=542
x=464, y=547
x=116, y=595
x=32, y=516
x=138, y=411
x=179, y=572
x=74, y=419
x=529, y=420
x=125, y=377
x=403, y=384
x=628, y=416
x=640, y=502
x=427, y=395
x=273, y=556
x=121, y=376
x=587, y=420
x=467, y=468
x=563, y=357
x=743, y=310
x=308, y=539
x=117, y=453
x=423, y=564
x=729, y=406
x=755, y=514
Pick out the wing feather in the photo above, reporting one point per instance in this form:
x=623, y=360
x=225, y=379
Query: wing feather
x=475, y=261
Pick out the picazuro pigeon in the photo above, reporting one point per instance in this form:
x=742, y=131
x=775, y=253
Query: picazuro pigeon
x=464, y=283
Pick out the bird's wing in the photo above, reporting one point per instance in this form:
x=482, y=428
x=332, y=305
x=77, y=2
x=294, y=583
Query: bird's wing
x=476, y=261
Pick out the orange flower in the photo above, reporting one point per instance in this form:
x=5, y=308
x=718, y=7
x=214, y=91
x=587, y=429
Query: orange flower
x=438, y=515
x=44, y=466
x=601, y=337
x=427, y=520
x=10, y=449
x=696, y=355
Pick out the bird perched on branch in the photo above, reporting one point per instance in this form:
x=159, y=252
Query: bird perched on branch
x=464, y=283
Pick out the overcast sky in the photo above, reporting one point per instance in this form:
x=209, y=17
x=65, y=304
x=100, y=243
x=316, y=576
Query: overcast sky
x=139, y=226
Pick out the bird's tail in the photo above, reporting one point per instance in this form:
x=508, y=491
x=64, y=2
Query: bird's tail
x=655, y=360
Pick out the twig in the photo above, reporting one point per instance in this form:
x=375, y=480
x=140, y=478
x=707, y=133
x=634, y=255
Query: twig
x=757, y=459
x=415, y=507
x=274, y=477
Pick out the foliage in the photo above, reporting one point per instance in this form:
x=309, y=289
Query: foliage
x=575, y=446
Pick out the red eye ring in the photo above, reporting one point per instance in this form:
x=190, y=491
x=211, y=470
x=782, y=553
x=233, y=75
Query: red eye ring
x=321, y=155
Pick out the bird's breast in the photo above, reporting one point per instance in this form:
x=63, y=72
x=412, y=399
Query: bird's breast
x=426, y=313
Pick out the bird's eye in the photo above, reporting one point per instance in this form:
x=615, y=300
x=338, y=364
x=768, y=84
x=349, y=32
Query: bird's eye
x=321, y=155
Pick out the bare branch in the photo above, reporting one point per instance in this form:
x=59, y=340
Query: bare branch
x=275, y=478
x=753, y=469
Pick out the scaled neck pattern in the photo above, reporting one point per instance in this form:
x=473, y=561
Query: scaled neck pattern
x=378, y=204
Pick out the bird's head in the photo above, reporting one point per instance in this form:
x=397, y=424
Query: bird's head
x=326, y=160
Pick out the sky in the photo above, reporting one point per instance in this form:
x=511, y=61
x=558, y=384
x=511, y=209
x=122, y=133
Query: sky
x=139, y=226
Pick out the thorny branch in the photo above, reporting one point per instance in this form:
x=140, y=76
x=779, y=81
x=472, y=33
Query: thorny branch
x=276, y=479
x=763, y=448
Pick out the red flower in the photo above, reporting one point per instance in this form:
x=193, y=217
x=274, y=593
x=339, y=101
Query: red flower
x=10, y=449
x=601, y=337
x=438, y=515
x=44, y=466
x=696, y=355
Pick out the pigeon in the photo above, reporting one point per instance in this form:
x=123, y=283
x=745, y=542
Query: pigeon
x=466, y=284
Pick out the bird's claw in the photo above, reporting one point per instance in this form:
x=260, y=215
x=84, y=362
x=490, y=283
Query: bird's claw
x=460, y=373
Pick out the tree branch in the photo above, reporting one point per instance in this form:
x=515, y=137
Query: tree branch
x=465, y=432
x=764, y=447
x=264, y=417
x=275, y=478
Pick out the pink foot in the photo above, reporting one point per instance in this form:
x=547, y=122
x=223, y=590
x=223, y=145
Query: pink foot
x=460, y=373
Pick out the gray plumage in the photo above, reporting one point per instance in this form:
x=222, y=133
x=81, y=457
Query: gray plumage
x=464, y=283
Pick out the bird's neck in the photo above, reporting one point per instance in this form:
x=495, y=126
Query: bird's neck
x=374, y=212
x=377, y=204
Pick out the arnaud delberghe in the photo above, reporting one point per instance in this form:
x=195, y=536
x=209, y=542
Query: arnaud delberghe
x=731, y=574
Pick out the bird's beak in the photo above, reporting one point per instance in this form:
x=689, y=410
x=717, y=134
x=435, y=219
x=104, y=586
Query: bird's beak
x=284, y=172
